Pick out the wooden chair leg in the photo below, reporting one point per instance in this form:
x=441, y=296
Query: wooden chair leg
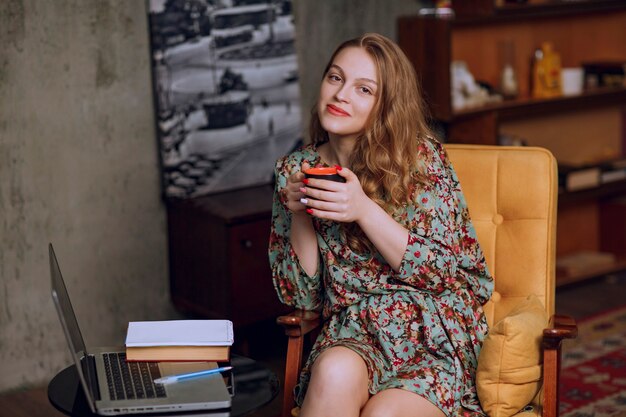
x=561, y=327
x=297, y=325
x=292, y=372
x=551, y=370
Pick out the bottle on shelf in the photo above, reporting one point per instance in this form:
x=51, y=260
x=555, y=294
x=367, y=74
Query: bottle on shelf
x=546, y=72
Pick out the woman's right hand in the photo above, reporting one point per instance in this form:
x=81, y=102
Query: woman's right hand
x=292, y=193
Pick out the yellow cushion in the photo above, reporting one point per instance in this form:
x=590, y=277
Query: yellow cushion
x=509, y=365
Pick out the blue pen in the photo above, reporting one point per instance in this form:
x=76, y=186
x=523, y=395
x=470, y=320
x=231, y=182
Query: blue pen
x=174, y=378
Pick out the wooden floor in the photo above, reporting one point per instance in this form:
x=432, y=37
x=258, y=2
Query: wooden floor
x=577, y=300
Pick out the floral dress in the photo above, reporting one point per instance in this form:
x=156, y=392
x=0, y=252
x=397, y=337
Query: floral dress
x=419, y=329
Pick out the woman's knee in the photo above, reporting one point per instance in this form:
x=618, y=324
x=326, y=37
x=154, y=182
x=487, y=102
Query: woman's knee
x=399, y=403
x=340, y=367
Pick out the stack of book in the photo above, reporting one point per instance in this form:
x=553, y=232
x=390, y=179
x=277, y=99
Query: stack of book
x=179, y=341
x=576, y=177
x=584, y=262
x=613, y=171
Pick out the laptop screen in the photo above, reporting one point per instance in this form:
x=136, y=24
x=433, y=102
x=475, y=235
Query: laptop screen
x=70, y=326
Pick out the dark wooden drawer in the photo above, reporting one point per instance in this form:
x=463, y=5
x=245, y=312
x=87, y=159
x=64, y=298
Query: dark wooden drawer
x=252, y=288
x=219, y=265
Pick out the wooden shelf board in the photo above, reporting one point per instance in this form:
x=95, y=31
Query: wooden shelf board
x=607, y=190
x=525, y=107
x=565, y=279
x=549, y=9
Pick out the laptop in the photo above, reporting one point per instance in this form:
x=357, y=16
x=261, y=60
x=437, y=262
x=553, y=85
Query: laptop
x=112, y=386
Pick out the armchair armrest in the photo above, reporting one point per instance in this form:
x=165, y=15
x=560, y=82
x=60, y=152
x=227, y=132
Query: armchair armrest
x=560, y=328
x=297, y=324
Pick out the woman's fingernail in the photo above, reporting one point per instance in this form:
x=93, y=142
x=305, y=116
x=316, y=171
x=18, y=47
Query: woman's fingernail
x=303, y=190
x=304, y=201
x=310, y=211
x=338, y=167
x=306, y=180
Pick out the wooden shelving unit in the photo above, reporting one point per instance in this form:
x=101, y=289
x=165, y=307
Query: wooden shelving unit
x=565, y=279
x=581, y=31
x=608, y=190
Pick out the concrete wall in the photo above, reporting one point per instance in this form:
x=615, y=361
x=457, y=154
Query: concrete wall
x=79, y=168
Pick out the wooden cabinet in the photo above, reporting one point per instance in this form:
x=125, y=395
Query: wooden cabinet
x=218, y=256
x=580, y=31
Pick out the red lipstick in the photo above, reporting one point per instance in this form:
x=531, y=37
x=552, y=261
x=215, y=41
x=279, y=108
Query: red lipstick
x=336, y=111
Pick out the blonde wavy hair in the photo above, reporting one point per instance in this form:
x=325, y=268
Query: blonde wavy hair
x=385, y=157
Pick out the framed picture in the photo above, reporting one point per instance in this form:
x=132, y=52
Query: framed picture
x=226, y=92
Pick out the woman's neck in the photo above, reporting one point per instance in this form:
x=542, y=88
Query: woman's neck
x=337, y=151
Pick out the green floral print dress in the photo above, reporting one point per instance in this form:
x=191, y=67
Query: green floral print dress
x=419, y=329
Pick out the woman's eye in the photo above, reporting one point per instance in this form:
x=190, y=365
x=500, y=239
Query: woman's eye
x=365, y=90
x=334, y=77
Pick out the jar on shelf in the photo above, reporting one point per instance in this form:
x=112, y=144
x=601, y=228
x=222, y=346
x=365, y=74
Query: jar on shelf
x=508, y=84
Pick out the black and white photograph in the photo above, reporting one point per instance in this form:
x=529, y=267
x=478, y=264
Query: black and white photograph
x=226, y=83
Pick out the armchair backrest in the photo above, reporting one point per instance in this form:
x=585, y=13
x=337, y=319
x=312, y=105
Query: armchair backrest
x=511, y=193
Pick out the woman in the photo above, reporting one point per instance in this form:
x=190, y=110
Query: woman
x=390, y=256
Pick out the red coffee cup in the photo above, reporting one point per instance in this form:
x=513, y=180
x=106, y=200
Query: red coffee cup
x=324, y=173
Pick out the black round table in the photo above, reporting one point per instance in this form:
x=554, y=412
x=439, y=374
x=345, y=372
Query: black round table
x=255, y=386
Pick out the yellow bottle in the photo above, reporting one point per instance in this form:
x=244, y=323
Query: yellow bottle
x=546, y=73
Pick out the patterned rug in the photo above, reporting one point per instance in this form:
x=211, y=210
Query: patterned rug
x=593, y=373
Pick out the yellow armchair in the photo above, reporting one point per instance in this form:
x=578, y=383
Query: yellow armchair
x=512, y=197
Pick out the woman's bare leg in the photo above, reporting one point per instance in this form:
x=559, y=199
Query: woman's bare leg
x=338, y=385
x=400, y=403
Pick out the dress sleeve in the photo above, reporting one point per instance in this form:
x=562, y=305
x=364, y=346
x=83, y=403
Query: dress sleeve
x=442, y=250
x=293, y=285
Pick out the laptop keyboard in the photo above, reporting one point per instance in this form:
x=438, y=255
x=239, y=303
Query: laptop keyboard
x=131, y=380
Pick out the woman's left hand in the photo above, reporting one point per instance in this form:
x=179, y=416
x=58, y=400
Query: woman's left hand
x=342, y=202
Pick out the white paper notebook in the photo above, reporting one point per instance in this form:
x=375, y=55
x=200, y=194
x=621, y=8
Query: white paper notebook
x=180, y=333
